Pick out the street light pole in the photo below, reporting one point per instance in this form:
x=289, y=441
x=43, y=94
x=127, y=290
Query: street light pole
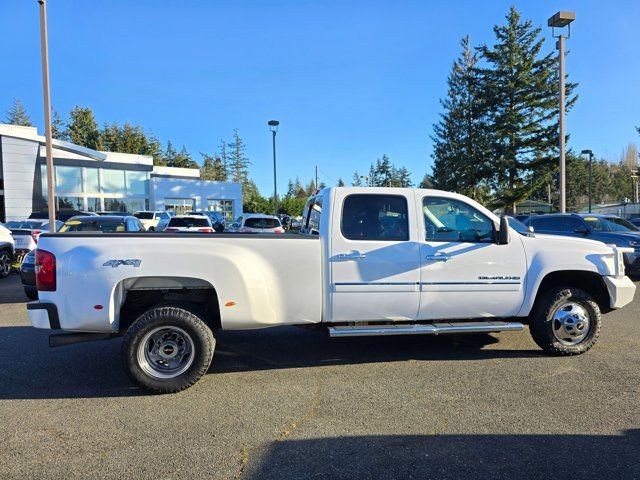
x=590, y=153
x=273, y=126
x=47, y=114
x=561, y=20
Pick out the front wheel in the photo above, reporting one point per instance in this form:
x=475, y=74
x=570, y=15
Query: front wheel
x=167, y=349
x=5, y=264
x=566, y=321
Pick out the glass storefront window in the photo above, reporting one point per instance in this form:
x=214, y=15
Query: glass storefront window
x=113, y=181
x=70, y=203
x=115, y=205
x=223, y=206
x=69, y=179
x=137, y=183
x=93, y=204
x=179, y=205
x=136, y=204
x=92, y=182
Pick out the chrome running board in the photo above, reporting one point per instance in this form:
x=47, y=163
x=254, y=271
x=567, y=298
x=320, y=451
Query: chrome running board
x=423, y=329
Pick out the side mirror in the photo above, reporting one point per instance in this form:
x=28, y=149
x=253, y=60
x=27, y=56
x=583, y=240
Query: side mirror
x=582, y=230
x=503, y=233
x=531, y=229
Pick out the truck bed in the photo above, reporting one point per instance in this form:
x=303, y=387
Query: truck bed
x=259, y=279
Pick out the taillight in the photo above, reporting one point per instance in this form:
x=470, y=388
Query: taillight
x=35, y=234
x=170, y=229
x=278, y=230
x=206, y=230
x=45, y=271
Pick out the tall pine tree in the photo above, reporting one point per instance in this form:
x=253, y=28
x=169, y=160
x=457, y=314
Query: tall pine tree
x=521, y=93
x=460, y=137
x=238, y=162
x=82, y=128
x=17, y=115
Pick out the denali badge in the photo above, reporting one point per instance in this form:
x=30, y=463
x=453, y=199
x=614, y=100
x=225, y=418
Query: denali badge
x=498, y=277
x=132, y=262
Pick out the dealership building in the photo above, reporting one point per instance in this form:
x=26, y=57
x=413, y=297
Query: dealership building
x=93, y=181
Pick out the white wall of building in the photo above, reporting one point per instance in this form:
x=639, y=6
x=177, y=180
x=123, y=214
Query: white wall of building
x=199, y=190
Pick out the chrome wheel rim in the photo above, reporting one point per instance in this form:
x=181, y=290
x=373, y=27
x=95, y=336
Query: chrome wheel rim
x=166, y=352
x=571, y=323
x=5, y=264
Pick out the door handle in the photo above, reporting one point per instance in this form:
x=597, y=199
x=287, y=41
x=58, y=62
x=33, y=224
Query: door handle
x=352, y=255
x=438, y=258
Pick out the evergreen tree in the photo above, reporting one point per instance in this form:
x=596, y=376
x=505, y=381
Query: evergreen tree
x=340, y=183
x=169, y=155
x=183, y=159
x=212, y=168
x=520, y=91
x=357, y=180
x=82, y=128
x=17, y=115
x=238, y=162
x=57, y=125
x=460, y=137
x=427, y=181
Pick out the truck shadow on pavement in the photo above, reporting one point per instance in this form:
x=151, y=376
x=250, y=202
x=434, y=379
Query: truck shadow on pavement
x=11, y=290
x=29, y=369
x=450, y=457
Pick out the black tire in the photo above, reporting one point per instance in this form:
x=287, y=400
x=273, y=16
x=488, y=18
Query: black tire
x=163, y=320
x=5, y=263
x=545, y=330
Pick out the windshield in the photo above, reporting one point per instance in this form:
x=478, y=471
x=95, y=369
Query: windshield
x=144, y=215
x=519, y=227
x=262, y=223
x=610, y=224
x=29, y=225
x=188, y=222
x=94, y=226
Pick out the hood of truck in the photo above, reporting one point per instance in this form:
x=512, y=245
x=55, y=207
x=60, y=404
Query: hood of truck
x=562, y=242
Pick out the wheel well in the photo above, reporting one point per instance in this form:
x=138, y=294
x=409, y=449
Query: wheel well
x=195, y=295
x=590, y=282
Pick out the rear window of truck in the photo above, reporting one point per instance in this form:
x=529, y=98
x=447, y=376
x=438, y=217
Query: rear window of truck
x=375, y=217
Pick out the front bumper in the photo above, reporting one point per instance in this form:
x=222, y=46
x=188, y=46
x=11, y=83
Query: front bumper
x=621, y=290
x=43, y=315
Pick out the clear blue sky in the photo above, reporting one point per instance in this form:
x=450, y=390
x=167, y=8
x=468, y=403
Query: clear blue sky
x=348, y=80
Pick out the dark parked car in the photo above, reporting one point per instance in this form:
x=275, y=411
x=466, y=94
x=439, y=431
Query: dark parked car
x=106, y=223
x=28, y=275
x=285, y=220
x=604, y=228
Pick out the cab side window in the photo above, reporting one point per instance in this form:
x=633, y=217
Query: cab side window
x=450, y=220
x=375, y=217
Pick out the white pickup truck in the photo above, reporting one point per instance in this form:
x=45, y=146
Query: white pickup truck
x=369, y=261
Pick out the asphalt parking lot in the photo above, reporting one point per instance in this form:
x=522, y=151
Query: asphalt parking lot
x=292, y=403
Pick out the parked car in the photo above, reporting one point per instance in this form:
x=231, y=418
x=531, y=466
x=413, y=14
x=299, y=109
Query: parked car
x=107, y=224
x=217, y=220
x=62, y=215
x=385, y=261
x=28, y=275
x=150, y=219
x=6, y=251
x=609, y=229
x=257, y=223
x=190, y=224
x=25, y=234
x=296, y=224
